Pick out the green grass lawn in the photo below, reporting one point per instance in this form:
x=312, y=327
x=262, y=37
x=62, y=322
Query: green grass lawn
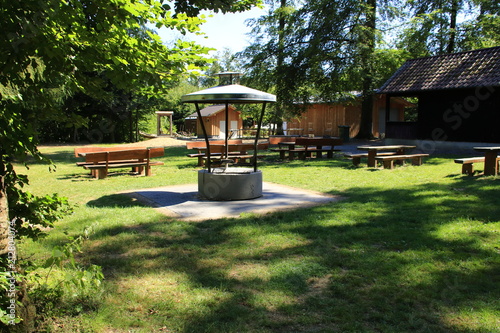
x=415, y=249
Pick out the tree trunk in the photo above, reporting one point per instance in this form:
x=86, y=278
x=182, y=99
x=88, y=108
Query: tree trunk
x=453, y=26
x=367, y=42
x=279, y=69
x=4, y=217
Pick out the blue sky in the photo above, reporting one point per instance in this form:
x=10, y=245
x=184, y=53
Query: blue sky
x=222, y=31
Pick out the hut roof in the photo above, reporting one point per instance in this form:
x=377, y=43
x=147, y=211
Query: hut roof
x=469, y=69
x=211, y=110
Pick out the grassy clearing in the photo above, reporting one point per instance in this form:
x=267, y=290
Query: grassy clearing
x=415, y=249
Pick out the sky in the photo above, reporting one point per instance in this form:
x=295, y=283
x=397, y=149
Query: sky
x=222, y=31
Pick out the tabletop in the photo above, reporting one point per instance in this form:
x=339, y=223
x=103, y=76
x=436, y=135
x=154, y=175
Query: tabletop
x=487, y=148
x=390, y=147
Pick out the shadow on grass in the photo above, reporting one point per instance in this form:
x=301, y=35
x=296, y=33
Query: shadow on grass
x=57, y=157
x=418, y=259
x=114, y=200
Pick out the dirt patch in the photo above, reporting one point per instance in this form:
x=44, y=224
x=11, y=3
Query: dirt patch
x=162, y=141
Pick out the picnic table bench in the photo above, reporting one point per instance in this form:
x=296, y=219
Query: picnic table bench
x=238, y=153
x=468, y=163
x=382, y=151
x=356, y=157
x=308, y=146
x=388, y=161
x=99, y=162
x=201, y=147
x=283, y=144
x=82, y=151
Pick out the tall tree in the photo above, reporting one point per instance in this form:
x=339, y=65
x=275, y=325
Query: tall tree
x=265, y=60
x=447, y=26
x=49, y=48
x=366, y=44
x=327, y=50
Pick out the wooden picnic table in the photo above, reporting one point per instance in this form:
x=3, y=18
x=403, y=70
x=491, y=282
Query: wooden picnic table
x=490, y=159
x=234, y=147
x=99, y=162
x=286, y=147
x=374, y=150
x=308, y=146
x=236, y=151
x=200, y=147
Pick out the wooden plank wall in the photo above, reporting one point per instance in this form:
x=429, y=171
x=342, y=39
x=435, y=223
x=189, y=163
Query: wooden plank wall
x=212, y=123
x=324, y=119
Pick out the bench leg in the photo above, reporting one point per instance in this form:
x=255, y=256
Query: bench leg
x=468, y=169
x=416, y=161
x=138, y=169
x=389, y=164
x=356, y=161
x=372, y=163
x=282, y=154
x=148, y=171
x=329, y=154
x=102, y=173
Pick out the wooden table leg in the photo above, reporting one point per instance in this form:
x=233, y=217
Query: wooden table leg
x=490, y=163
x=371, y=158
x=319, y=153
x=291, y=154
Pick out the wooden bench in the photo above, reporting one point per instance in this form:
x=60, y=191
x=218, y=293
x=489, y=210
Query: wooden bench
x=202, y=144
x=468, y=163
x=388, y=161
x=81, y=151
x=356, y=157
x=314, y=145
x=237, y=153
x=139, y=159
x=281, y=149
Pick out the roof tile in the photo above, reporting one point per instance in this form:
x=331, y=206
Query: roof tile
x=451, y=71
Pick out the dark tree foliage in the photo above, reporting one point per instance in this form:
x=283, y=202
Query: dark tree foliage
x=447, y=26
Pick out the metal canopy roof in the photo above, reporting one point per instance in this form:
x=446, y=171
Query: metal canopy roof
x=233, y=93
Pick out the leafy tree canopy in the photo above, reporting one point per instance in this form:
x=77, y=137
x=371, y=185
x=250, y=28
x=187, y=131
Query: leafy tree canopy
x=50, y=50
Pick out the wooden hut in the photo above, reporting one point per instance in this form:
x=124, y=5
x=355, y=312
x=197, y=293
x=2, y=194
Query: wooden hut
x=324, y=119
x=214, y=118
x=458, y=97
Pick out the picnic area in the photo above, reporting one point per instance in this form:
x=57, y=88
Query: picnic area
x=413, y=248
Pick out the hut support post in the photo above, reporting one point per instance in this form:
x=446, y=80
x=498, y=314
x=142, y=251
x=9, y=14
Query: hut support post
x=207, y=151
x=256, y=143
x=226, y=150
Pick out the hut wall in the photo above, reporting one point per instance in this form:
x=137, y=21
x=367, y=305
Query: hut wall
x=190, y=125
x=318, y=120
x=212, y=122
x=470, y=115
x=325, y=119
x=397, y=113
